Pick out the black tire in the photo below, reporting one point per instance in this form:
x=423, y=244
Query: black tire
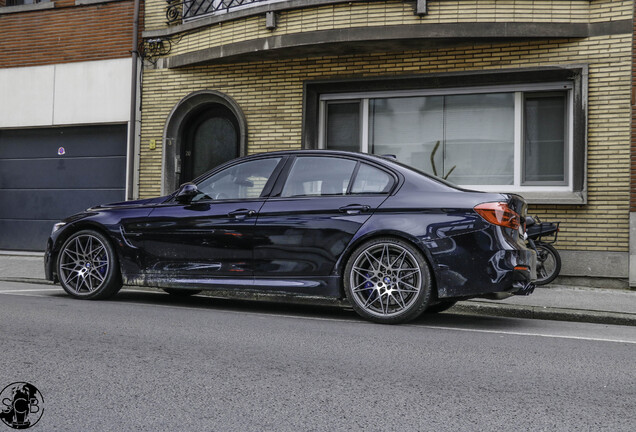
x=548, y=263
x=178, y=292
x=441, y=306
x=87, y=266
x=381, y=267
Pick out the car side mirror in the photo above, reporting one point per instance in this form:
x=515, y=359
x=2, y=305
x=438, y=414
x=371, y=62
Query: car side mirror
x=187, y=191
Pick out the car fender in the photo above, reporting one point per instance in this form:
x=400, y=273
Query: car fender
x=376, y=227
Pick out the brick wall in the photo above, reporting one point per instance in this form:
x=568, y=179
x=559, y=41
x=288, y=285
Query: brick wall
x=271, y=94
x=67, y=33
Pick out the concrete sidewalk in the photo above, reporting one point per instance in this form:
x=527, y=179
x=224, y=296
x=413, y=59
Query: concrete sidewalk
x=555, y=302
x=563, y=303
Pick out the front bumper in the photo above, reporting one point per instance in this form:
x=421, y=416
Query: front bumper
x=49, y=262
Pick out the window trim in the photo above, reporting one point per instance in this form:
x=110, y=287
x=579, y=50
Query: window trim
x=533, y=78
x=283, y=176
x=518, y=143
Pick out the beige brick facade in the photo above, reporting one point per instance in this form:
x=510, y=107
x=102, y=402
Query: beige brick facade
x=270, y=92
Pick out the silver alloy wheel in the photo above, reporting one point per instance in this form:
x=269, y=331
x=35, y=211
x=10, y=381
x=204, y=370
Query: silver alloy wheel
x=385, y=279
x=84, y=264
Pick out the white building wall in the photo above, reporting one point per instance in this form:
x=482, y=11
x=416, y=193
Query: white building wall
x=66, y=94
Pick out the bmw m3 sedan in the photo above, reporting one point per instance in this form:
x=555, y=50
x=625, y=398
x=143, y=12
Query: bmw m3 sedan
x=392, y=241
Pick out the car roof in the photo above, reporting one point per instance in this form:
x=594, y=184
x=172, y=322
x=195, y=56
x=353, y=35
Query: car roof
x=323, y=152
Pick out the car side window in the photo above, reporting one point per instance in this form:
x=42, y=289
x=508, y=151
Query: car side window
x=319, y=176
x=371, y=180
x=241, y=181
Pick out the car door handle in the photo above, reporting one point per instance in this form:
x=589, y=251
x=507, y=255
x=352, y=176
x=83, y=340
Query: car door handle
x=241, y=213
x=354, y=209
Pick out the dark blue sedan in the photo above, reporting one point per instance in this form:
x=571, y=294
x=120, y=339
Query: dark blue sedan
x=391, y=240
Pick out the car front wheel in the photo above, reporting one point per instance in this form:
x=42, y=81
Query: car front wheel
x=87, y=266
x=387, y=280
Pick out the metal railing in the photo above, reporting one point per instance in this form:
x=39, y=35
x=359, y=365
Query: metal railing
x=23, y=2
x=184, y=9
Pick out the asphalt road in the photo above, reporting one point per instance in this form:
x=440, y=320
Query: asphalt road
x=147, y=361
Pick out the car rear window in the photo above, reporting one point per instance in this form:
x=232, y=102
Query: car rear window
x=371, y=180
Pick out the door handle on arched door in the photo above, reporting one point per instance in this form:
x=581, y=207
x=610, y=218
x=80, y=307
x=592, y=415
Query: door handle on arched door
x=242, y=213
x=352, y=209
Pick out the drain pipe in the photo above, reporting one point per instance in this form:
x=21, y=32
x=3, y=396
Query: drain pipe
x=132, y=128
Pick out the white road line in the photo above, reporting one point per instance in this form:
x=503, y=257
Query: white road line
x=29, y=290
x=352, y=321
x=512, y=333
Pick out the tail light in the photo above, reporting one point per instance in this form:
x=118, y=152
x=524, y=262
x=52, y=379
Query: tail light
x=498, y=213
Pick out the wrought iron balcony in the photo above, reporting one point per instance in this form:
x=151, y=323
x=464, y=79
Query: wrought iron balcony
x=178, y=10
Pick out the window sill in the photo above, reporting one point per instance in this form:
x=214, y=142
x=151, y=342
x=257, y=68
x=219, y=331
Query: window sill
x=535, y=196
x=26, y=8
x=559, y=198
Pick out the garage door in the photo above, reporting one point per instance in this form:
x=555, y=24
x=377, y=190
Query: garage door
x=48, y=174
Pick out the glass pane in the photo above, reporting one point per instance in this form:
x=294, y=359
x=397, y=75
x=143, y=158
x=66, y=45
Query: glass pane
x=343, y=126
x=479, y=139
x=371, y=180
x=242, y=181
x=319, y=176
x=409, y=128
x=545, y=124
x=215, y=142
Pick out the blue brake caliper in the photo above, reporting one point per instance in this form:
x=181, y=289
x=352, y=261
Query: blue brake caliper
x=369, y=285
x=102, y=267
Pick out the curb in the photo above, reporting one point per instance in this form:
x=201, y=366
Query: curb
x=544, y=313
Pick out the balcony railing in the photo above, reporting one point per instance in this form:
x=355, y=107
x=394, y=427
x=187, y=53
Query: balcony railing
x=23, y=2
x=178, y=10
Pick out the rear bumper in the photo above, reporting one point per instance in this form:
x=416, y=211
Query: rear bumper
x=500, y=265
x=523, y=280
x=516, y=271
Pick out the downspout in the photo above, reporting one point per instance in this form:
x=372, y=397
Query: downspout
x=130, y=172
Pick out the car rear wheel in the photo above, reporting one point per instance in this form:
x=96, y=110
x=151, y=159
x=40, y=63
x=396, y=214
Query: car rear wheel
x=87, y=266
x=387, y=280
x=181, y=292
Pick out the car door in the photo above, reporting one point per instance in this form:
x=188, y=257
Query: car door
x=311, y=217
x=212, y=235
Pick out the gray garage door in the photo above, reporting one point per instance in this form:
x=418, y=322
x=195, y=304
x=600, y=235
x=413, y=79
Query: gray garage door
x=48, y=174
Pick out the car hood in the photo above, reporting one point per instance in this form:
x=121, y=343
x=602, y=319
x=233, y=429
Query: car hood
x=129, y=204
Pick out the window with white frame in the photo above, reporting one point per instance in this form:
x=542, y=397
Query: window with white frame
x=505, y=138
